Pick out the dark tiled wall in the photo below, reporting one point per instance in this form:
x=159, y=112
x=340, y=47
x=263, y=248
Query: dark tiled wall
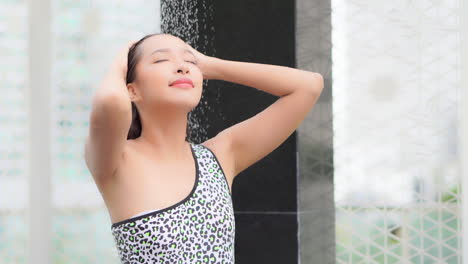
x=264, y=195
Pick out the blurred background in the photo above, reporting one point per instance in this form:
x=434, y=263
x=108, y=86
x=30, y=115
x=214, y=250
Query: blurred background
x=382, y=148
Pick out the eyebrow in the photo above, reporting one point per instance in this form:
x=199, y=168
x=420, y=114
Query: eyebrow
x=168, y=50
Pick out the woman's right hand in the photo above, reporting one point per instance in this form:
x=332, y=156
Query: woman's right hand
x=120, y=61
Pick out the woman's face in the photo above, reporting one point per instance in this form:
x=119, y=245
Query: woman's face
x=164, y=59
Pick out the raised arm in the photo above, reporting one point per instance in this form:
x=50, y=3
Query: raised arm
x=254, y=138
x=109, y=121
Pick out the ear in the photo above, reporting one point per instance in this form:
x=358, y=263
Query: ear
x=133, y=92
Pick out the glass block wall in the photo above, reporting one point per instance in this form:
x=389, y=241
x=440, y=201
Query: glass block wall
x=13, y=132
x=395, y=96
x=86, y=37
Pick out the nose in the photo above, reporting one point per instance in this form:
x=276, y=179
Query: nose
x=182, y=67
x=182, y=70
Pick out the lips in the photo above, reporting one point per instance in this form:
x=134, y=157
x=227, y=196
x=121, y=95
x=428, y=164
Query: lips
x=182, y=81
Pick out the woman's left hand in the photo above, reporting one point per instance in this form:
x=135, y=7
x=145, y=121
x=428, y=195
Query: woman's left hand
x=205, y=63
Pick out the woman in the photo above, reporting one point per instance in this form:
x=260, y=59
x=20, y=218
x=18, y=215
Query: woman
x=169, y=199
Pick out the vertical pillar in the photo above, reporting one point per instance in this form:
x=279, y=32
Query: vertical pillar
x=315, y=140
x=38, y=97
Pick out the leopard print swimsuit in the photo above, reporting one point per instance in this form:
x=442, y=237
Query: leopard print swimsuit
x=198, y=229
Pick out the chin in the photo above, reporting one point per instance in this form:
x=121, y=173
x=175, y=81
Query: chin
x=188, y=105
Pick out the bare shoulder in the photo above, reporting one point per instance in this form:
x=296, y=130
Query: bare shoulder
x=220, y=146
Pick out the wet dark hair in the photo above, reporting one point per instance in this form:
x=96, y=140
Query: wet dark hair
x=134, y=56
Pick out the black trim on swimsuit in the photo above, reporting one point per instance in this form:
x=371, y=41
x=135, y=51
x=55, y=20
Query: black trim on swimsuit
x=114, y=225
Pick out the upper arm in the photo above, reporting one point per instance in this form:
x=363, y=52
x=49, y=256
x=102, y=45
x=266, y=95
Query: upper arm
x=256, y=137
x=110, y=120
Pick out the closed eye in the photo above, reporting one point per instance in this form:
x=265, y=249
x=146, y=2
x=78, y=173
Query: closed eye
x=188, y=61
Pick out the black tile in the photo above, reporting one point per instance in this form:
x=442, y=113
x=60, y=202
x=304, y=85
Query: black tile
x=258, y=31
x=269, y=185
x=266, y=238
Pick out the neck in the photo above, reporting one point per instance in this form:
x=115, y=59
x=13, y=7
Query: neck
x=165, y=134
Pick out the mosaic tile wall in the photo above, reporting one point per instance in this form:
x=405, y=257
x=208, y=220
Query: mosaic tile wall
x=14, y=132
x=396, y=91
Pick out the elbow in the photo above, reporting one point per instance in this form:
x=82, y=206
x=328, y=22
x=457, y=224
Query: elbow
x=316, y=84
x=319, y=83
